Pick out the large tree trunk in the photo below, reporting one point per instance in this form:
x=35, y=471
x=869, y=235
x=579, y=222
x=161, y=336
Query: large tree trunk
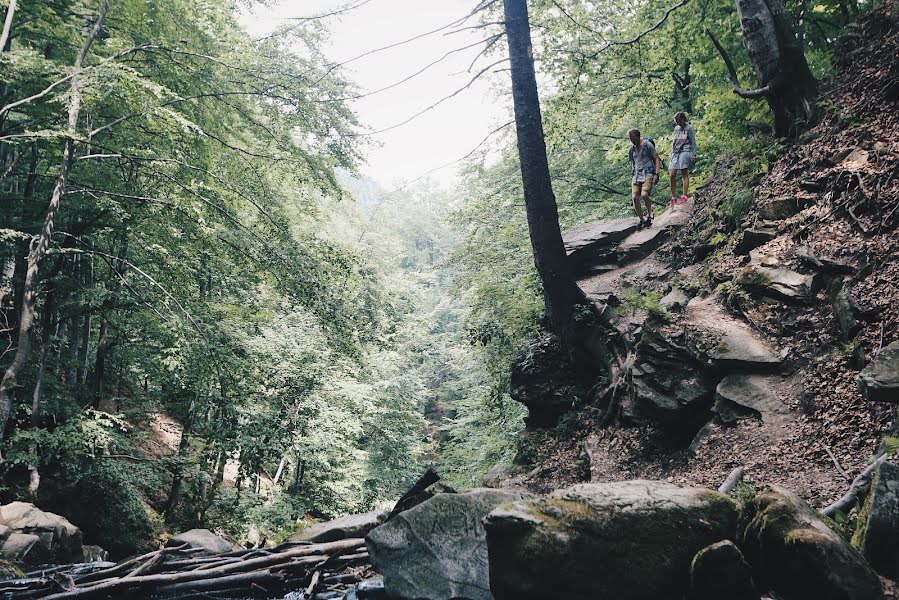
x=560, y=293
x=34, y=479
x=777, y=56
x=171, y=504
x=42, y=242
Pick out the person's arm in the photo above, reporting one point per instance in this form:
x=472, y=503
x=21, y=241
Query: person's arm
x=692, y=135
x=655, y=155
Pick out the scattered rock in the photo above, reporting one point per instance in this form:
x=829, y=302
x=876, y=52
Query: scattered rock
x=201, y=538
x=778, y=283
x=36, y=536
x=847, y=312
x=752, y=239
x=778, y=209
x=437, y=550
x=718, y=572
x=705, y=433
x=823, y=263
x=667, y=385
x=91, y=554
x=674, y=300
x=497, y=475
x=627, y=540
x=729, y=344
x=797, y=555
x=879, y=381
x=749, y=395
x=877, y=535
x=350, y=526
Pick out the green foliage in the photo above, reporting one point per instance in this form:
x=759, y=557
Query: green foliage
x=633, y=300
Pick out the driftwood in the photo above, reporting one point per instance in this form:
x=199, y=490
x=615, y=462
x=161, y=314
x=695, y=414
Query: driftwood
x=407, y=500
x=848, y=500
x=174, y=572
x=735, y=477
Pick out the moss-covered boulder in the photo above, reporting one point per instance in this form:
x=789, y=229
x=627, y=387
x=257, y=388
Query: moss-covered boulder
x=349, y=526
x=877, y=535
x=719, y=572
x=624, y=541
x=795, y=552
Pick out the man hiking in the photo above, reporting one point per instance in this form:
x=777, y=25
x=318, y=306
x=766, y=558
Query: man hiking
x=646, y=166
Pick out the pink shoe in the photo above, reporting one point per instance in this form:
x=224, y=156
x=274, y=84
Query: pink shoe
x=681, y=200
x=673, y=202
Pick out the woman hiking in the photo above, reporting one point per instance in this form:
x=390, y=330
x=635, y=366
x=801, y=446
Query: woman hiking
x=683, y=155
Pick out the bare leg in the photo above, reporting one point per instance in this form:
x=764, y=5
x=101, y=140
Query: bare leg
x=672, y=178
x=637, y=207
x=648, y=201
x=686, y=173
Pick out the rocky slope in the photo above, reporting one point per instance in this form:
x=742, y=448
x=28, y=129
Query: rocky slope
x=746, y=341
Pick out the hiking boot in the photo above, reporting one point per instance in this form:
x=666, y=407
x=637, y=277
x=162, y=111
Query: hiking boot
x=641, y=224
x=682, y=200
x=649, y=222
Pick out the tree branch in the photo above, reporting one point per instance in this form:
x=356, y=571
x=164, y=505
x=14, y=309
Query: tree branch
x=732, y=74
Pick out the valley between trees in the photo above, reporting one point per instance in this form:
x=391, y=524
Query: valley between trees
x=211, y=322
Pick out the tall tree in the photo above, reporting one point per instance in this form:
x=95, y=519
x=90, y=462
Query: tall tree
x=560, y=293
x=785, y=79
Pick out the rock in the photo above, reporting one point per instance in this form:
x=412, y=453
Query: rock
x=590, y=243
x=497, y=475
x=702, y=438
x=547, y=383
x=823, y=263
x=91, y=554
x=371, y=589
x=718, y=572
x=749, y=395
x=667, y=385
x=437, y=550
x=201, y=538
x=627, y=540
x=58, y=540
x=879, y=381
x=847, y=312
x=778, y=209
x=752, y=239
x=19, y=546
x=9, y=570
x=877, y=536
x=640, y=244
x=778, y=282
x=727, y=343
x=350, y=526
x=796, y=554
x=674, y=300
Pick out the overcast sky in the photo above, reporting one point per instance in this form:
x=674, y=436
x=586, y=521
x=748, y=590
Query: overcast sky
x=437, y=137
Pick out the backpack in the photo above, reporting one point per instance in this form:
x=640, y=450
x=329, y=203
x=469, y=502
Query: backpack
x=653, y=142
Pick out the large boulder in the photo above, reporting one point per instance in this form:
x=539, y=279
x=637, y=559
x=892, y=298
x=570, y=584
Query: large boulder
x=34, y=536
x=879, y=381
x=438, y=550
x=725, y=342
x=877, y=535
x=719, y=572
x=784, y=207
x=753, y=238
x=627, y=540
x=350, y=526
x=795, y=553
x=594, y=242
x=205, y=540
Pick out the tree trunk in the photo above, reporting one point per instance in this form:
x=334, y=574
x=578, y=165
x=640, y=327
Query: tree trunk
x=84, y=353
x=560, y=293
x=34, y=479
x=99, y=371
x=178, y=472
x=779, y=63
x=42, y=242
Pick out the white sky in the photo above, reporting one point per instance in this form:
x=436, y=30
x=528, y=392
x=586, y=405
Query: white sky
x=437, y=137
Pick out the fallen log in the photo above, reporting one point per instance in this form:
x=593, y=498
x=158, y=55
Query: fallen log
x=849, y=499
x=735, y=477
x=429, y=478
x=299, y=556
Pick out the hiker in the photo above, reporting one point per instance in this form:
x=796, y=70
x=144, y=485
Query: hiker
x=646, y=167
x=683, y=155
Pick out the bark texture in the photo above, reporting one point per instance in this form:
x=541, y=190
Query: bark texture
x=779, y=62
x=560, y=293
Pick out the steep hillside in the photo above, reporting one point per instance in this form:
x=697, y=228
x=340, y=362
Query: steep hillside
x=747, y=326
